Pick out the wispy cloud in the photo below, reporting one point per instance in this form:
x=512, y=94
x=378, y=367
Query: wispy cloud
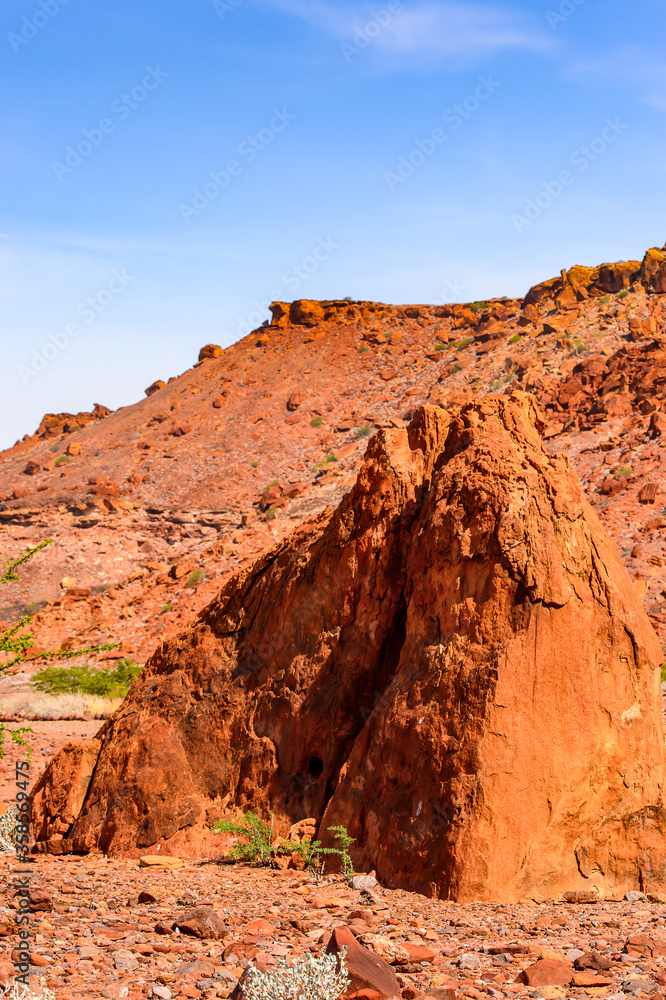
x=642, y=70
x=425, y=29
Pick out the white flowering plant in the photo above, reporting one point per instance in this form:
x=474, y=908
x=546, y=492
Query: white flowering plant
x=310, y=978
x=8, y=836
x=17, y=992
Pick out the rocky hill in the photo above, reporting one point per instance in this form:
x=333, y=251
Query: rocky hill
x=152, y=507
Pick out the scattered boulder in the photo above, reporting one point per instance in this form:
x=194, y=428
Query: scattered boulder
x=546, y=972
x=56, y=800
x=155, y=387
x=203, y=922
x=366, y=969
x=210, y=351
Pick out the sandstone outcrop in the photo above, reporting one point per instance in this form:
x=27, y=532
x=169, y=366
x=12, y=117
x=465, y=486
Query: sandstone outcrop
x=453, y=664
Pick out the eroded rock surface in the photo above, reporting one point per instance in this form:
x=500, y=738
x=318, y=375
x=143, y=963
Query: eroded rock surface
x=453, y=664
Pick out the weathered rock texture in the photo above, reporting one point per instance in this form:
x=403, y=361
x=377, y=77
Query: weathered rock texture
x=453, y=664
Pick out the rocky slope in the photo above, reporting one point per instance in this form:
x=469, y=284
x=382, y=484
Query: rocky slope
x=217, y=464
x=459, y=604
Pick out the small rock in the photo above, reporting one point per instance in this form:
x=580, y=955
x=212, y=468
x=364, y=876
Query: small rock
x=360, y=882
x=639, y=986
x=469, y=961
x=162, y=992
x=158, y=861
x=580, y=897
x=635, y=896
x=125, y=960
x=204, y=922
x=546, y=972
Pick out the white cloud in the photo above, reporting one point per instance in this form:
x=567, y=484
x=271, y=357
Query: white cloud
x=425, y=28
x=643, y=71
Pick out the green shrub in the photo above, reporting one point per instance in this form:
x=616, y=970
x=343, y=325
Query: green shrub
x=623, y=472
x=457, y=368
x=514, y=339
x=364, y=431
x=478, y=306
x=259, y=844
x=362, y=348
x=61, y=460
x=254, y=464
x=623, y=294
x=464, y=343
x=165, y=609
x=271, y=513
x=196, y=577
x=258, y=838
x=603, y=300
x=579, y=347
x=316, y=421
x=440, y=347
x=84, y=680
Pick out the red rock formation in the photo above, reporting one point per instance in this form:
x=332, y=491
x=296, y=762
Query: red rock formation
x=453, y=664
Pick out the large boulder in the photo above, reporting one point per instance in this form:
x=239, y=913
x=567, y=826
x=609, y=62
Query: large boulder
x=453, y=664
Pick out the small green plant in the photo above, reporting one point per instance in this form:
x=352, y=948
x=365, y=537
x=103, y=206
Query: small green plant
x=623, y=294
x=440, y=347
x=456, y=368
x=603, y=300
x=342, y=835
x=165, y=609
x=33, y=609
x=497, y=384
x=478, y=306
x=663, y=673
x=362, y=348
x=313, y=977
x=17, y=737
x=271, y=514
x=364, y=431
x=348, y=298
x=624, y=472
x=273, y=482
x=254, y=464
x=461, y=345
x=514, y=339
x=84, y=680
x=196, y=577
x=579, y=347
x=316, y=421
x=62, y=460
x=258, y=837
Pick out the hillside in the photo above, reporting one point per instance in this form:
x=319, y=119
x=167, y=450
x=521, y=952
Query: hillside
x=150, y=508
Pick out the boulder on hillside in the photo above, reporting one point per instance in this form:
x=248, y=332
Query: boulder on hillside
x=453, y=664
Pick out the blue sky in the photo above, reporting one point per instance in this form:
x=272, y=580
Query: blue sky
x=382, y=150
